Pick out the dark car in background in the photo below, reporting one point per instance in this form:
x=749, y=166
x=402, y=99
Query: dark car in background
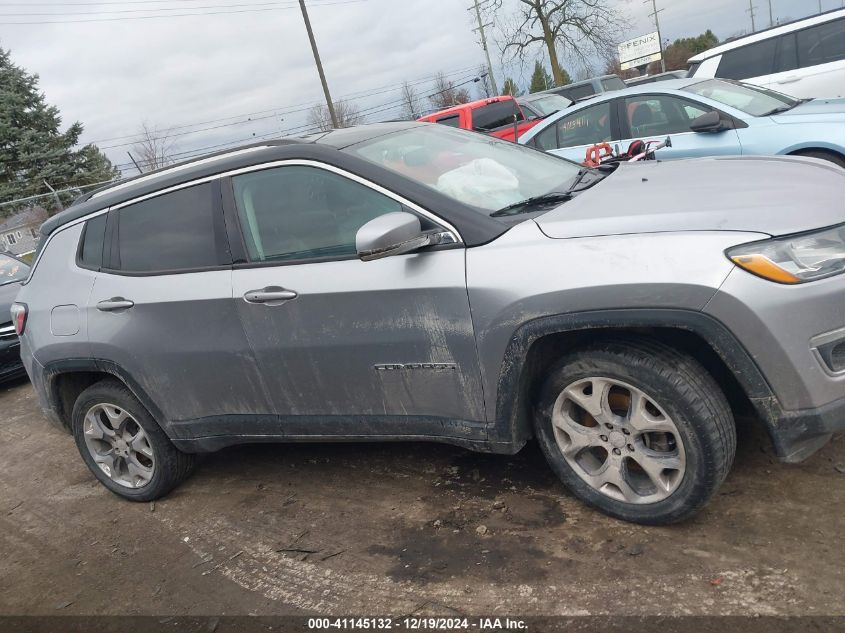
x=12, y=272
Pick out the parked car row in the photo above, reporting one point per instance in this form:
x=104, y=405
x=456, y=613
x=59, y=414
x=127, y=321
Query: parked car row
x=709, y=117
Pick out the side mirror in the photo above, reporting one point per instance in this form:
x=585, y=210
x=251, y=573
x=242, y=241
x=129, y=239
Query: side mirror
x=391, y=234
x=709, y=122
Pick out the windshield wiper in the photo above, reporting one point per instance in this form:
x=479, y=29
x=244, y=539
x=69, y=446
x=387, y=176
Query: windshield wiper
x=535, y=201
x=782, y=108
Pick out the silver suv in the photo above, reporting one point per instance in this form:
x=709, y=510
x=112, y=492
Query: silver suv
x=413, y=281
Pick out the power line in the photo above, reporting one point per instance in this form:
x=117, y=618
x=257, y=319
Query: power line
x=178, y=15
x=194, y=8
x=284, y=110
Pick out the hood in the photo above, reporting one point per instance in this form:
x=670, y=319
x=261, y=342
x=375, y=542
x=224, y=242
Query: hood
x=771, y=195
x=814, y=111
x=8, y=293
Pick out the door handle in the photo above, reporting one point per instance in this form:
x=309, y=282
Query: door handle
x=271, y=295
x=114, y=304
x=789, y=80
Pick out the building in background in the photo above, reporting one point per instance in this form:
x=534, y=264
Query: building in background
x=19, y=233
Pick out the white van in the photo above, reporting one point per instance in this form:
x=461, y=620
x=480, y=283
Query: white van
x=805, y=58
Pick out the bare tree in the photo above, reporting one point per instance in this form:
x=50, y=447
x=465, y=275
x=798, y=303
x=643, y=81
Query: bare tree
x=446, y=94
x=411, y=108
x=154, y=149
x=576, y=29
x=347, y=113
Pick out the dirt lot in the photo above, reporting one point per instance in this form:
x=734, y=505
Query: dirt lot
x=403, y=528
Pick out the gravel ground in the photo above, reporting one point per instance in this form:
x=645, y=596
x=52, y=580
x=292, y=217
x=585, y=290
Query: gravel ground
x=396, y=529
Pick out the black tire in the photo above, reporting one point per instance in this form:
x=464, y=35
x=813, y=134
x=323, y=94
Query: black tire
x=688, y=395
x=172, y=466
x=831, y=157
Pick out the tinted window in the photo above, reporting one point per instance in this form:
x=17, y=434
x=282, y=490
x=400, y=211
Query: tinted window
x=578, y=92
x=91, y=255
x=296, y=212
x=822, y=44
x=660, y=115
x=588, y=126
x=753, y=60
x=174, y=231
x=787, y=56
x=453, y=120
x=613, y=83
x=495, y=115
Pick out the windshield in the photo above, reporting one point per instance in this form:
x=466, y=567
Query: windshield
x=12, y=270
x=549, y=104
x=477, y=170
x=750, y=99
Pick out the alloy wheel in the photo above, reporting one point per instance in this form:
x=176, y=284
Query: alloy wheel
x=619, y=440
x=118, y=445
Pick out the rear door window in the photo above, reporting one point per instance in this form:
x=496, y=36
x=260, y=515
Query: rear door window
x=754, y=60
x=787, y=54
x=171, y=232
x=821, y=44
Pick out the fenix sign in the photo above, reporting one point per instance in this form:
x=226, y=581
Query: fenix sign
x=639, y=51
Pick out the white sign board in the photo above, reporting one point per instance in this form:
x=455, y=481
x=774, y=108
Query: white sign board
x=640, y=50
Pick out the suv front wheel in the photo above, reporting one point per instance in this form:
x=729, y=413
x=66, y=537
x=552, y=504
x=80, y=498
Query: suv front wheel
x=637, y=430
x=123, y=446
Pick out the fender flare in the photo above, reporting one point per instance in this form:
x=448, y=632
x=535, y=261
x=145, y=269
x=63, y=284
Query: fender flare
x=711, y=330
x=54, y=369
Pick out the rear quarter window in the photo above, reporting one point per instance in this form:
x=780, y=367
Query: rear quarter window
x=754, y=60
x=821, y=44
x=91, y=244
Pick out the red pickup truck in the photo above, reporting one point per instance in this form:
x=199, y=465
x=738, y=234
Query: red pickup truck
x=498, y=116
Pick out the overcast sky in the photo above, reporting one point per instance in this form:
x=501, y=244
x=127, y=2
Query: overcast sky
x=209, y=71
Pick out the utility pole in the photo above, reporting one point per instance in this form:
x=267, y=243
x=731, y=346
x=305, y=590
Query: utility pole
x=750, y=10
x=771, y=19
x=659, y=37
x=135, y=162
x=329, y=102
x=480, y=30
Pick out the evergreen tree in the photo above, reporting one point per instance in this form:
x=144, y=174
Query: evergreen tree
x=34, y=150
x=511, y=88
x=541, y=79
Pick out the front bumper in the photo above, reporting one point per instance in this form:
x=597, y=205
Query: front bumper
x=796, y=435
x=780, y=327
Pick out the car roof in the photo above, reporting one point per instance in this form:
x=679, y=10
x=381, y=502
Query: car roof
x=218, y=162
x=765, y=34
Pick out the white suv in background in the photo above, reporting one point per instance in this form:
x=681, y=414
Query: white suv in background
x=805, y=58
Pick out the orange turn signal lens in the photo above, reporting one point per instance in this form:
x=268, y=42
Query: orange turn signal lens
x=764, y=267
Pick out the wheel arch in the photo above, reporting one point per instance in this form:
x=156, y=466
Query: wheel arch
x=537, y=344
x=814, y=146
x=66, y=379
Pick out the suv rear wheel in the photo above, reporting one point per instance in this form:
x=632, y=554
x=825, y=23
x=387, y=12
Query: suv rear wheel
x=123, y=445
x=637, y=430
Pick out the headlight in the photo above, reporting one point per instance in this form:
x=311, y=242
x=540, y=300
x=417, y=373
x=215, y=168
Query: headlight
x=794, y=259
